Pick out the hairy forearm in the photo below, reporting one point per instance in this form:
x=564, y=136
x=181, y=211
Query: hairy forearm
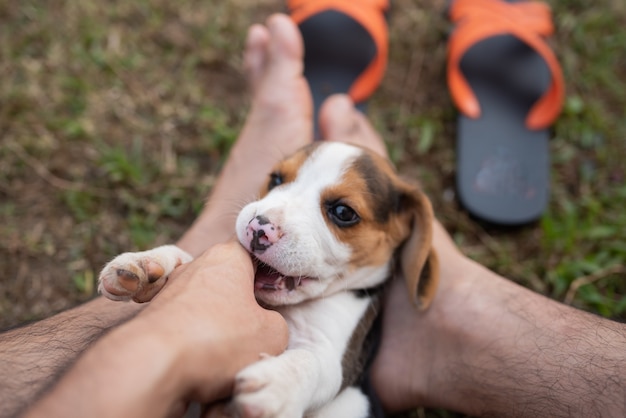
x=33, y=356
x=521, y=354
x=130, y=372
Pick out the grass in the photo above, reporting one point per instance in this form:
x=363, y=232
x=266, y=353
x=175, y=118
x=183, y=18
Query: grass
x=584, y=230
x=116, y=116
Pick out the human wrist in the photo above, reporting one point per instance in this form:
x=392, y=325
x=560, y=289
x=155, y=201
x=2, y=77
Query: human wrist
x=155, y=382
x=201, y=358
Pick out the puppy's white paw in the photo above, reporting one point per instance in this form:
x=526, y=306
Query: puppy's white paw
x=139, y=276
x=261, y=391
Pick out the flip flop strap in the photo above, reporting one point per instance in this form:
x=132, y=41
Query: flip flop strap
x=530, y=22
x=370, y=15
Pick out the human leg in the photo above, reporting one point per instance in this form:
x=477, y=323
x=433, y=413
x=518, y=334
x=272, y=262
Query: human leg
x=490, y=347
x=279, y=122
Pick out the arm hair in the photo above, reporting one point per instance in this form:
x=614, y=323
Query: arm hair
x=34, y=356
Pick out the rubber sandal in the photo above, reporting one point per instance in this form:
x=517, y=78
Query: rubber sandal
x=509, y=89
x=345, y=47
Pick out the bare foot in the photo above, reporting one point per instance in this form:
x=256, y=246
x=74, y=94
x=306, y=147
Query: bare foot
x=340, y=121
x=279, y=122
x=412, y=346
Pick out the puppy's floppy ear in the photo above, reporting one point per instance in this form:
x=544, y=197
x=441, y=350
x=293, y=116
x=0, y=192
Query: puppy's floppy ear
x=418, y=261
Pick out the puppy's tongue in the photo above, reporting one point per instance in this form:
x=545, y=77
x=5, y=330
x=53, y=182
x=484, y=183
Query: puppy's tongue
x=267, y=278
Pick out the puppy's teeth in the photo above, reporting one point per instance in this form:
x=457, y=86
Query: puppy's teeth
x=298, y=280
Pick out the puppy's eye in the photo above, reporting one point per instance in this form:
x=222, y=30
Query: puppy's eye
x=342, y=215
x=276, y=179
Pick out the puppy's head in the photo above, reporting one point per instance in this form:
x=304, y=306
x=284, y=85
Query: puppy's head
x=331, y=217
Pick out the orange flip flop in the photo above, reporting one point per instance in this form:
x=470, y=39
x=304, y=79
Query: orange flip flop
x=509, y=89
x=345, y=46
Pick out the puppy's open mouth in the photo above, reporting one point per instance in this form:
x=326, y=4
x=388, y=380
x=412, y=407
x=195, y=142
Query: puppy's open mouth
x=267, y=278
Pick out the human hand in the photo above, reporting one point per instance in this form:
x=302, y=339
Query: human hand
x=187, y=344
x=216, y=327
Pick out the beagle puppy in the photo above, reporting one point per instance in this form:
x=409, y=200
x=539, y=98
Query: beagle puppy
x=333, y=224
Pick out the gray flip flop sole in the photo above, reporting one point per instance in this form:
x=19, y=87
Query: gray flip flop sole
x=503, y=167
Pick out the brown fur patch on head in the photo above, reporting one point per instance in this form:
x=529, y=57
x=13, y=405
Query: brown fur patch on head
x=394, y=215
x=287, y=169
x=370, y=188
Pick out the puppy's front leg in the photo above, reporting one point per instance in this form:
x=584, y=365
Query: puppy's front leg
x=309, y=374
x=140, y=275
x=286, y=386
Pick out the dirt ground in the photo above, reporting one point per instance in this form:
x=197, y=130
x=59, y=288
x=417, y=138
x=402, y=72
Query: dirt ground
x=115, y=117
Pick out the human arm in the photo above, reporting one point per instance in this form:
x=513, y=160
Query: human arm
x=32, y=356
x=488, y=346
x=189, y=343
